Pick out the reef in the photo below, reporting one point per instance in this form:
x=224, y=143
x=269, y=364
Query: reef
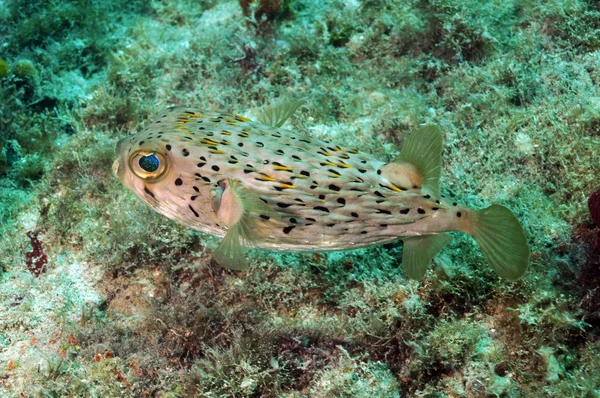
x=101, y=296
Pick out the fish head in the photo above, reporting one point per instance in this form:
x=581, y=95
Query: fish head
x=143, y=167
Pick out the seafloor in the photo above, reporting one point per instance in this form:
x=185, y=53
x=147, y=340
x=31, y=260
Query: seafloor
x=102, y=297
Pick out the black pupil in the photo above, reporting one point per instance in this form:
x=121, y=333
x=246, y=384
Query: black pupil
x=149, y=163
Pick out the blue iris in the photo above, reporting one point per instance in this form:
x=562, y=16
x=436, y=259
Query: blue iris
x=149, y=163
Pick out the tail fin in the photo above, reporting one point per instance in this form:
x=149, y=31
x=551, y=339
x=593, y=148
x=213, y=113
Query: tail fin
x=502, y=240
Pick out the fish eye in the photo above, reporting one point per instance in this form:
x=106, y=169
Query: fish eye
x=148, y=165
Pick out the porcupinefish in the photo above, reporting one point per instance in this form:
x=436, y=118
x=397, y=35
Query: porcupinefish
x=259, y=185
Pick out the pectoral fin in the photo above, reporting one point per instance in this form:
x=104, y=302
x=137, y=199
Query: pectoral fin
x=418, y=252
x=240, y=210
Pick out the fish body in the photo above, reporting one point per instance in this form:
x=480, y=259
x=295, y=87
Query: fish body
x=263, y=186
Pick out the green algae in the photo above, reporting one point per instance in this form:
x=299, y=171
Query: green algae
x=513, y=86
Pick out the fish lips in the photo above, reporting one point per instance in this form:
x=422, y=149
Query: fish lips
x=120, y=150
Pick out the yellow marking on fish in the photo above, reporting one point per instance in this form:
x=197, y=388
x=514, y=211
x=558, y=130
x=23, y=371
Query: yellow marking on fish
x=395, y=188
x=265, y=177
x=196, y=115
x=187, y=132
x=243, y=135
x=206, y=141
x=225, y=132
x=343, y=156
x=323, y=152
x=282, y=168
x=184, y=120
x=217, y=151
x=299, y=176
x=344, y=165
x=354, y=151
x=287, y=186
x=241, y=118
x=225, y=142
x=330, y=163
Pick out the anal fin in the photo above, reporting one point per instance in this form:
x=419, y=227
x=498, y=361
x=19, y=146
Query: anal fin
x=241, y=210
x=418, y=252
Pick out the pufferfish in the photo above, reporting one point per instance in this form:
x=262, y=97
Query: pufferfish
x=259, y=185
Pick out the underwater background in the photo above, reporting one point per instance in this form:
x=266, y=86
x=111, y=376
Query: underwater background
x=100, y=296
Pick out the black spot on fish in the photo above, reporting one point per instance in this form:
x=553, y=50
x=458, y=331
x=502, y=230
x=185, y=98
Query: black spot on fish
x=305, y=173
x=185, y=152
x=404, y=211
x=240, y=144
x=334, y=187
x=454, y=204
x=202, y=177
x=341, y=201
x=293, y=221
x=287, y=230
x=364, y=232
x=168, y=147
x=265, y=217
x=194, y=211
x=353, y=214
x=193, y=197
x=435, y=208
x=201, y=164
x=296, y=157
x=322, y=197
x=381, y=211
x=284, y=205
x=215, y=168
x=141, y=143
x=458, y=214
x=361, y=170
x=379, y=172
x=178, y=182
x=420, y=211
x=189, y=112
x=310, y=219
x=260, y=144
x=196, y=189
x=383, y=225
x=379, y=194
x=148, y=191
x=313, y=186
x=331, y=225
x=280, y=152
x=321, y=208
x=415, y=187
x=427, y=196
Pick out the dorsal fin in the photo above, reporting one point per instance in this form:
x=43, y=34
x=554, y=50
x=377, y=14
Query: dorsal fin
x=277, y=115
x=420, y=161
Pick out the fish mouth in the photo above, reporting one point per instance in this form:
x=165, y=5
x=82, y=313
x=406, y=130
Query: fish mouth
x=120, y=148
x=115, y=169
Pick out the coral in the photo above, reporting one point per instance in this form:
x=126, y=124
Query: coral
x=3, y=69
x=594, y=206
x=131, y=304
